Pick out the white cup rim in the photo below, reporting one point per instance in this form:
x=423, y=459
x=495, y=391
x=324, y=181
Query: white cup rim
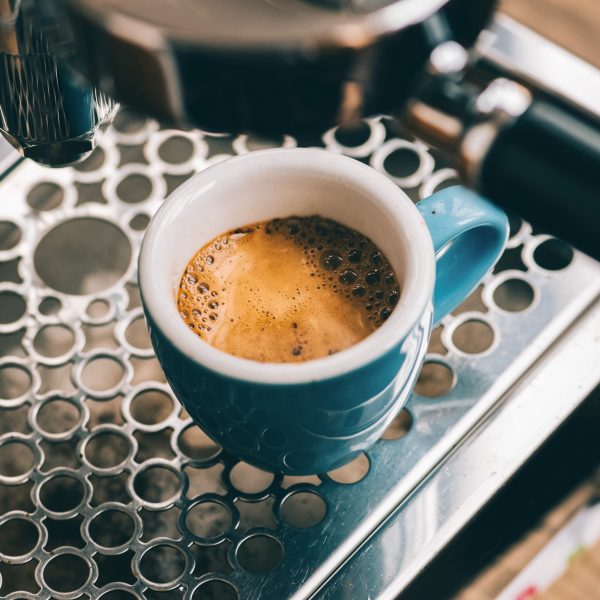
x=417, y=286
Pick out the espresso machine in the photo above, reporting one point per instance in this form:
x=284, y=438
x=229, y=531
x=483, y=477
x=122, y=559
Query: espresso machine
x=107, y=489
x=292, y=66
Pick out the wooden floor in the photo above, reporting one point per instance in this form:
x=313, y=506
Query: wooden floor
x=574, y=24
x=580, y=582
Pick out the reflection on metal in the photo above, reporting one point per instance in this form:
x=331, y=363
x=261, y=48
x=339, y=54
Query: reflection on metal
x=520, y=423
x=522, y=53
x=102, y=429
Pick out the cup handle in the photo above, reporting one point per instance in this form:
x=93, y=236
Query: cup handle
x=468, y=234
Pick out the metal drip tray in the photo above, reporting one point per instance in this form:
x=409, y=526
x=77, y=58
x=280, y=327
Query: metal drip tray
x=106, y=485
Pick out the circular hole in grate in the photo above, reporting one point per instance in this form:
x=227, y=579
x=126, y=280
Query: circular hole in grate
x=66, y=573
x=473, y=336
x=9, y=270
x=12, y=307
x=97, y=309
x=176, y=150
x=156, y=484
x=511, y=259
x=54, y=340
x=111, y=528
x=303, y=509
x=15, y=381
x=255, y=515
x=256, y=142
x=57, y=416
x=553, y=255
x=514, y=295
x=215, y=589
x=352, y=472
x=139, y=222
x=353, y=134
x=45, y=196
x=92, y=162
x=18, y=537
x=435, y=379
x=162, y=564
x=137, y=334
x=259, y=553
x=61, y=493
x=399, y=427
x=249, y=479
x=101, y=374
x=402, y=162
x=151, y=407
x=107, y=449
x=93, y=255
x=127, y=121
x=10, y=235
x=195, y=444
x=118, y=595
x=49, y=305
x=134, y=188
x=208, y=519
x=16, y=458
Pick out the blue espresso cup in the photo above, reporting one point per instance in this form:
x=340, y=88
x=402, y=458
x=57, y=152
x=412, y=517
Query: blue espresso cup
x=312, y=417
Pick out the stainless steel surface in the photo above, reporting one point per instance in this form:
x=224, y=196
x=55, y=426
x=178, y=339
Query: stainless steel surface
x=521, y=52
x=46, y=110
x=513, y=430
x=90, y=427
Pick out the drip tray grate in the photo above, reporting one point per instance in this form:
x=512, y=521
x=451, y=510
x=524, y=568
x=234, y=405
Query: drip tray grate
x=106, y=485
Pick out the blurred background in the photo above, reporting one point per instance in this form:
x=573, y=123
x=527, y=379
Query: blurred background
x=574, y=24
x=103, y=466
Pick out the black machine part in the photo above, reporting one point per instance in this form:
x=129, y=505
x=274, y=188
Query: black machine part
x=546, y=167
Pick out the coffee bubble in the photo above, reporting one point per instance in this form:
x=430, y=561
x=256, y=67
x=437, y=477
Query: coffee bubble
x=348, y=276
x=373, y=277
x=330, y=260
x=291, y=290
x=377, y=258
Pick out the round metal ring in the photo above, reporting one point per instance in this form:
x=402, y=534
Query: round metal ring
x=376, y=138
x=424, y=170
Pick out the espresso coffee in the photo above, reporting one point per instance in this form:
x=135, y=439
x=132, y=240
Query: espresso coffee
x=287, y=290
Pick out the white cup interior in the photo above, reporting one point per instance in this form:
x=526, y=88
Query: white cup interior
x=281, y=183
